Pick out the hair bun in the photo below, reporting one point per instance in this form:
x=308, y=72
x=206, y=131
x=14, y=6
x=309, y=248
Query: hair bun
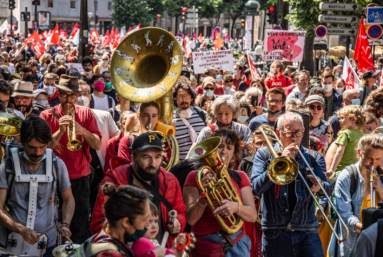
x=109, y=189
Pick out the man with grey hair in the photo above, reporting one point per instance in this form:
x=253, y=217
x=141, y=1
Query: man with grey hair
x=292, y=104
x=300, y=90
x=289, y=225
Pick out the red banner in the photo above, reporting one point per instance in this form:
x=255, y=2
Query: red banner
x=37, y=45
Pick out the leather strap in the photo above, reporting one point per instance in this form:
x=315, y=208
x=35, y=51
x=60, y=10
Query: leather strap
x=232, y=242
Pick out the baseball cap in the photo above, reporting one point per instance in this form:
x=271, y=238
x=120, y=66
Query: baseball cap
x=314, y=99
x=146, y=141
x=369, y=74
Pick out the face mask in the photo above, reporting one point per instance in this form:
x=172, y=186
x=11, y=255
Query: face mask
x=218, y=78
x=327, y=87
x=42, y=102
x=274, y=113
x=26, y=157
x=355, y=101
x=340, y=89
x=108, y=85
x=235, y=72
x=105, y=63
x=208, y=92
x=272, y=70
x=83, y=101
x=243, y=63
x=28, y=77
x=186, y=113
x=99, y=86
x=242, y=119
x=337, y=73
x=50, y=90
x=137, y=235
x=201, y=79
x=48, y=62
x=227, y=88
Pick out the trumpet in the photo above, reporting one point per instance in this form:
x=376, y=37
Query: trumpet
x=372, y=191
x=73, y=143
x=284, y=170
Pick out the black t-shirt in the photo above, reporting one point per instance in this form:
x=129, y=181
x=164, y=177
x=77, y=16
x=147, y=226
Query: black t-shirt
x=243, y=86
x=27, y=53
x=112, y=93
x=202, y=104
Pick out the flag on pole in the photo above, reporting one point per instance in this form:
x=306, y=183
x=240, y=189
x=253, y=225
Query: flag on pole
x=349, y=75
x=106, y=40
x=37, y=45
x=218, y=42
x=74, y=30
x=200, y=36
x=4, y=26
x=253, y=70
x=381, y=80
x=187, y=48
x=76, y=38
x=63, y=33
x=362, y=52
x=117, y=39
x=135, y=29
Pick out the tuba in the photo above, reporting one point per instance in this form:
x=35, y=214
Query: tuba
x=144, y=68
x=221, y=188
x=9, y=127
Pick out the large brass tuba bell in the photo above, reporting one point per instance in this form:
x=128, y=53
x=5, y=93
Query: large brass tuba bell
x=144, y=68
x=221, y=188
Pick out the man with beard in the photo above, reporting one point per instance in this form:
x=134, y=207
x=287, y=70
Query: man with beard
x=77, y=162
x=275, y=99
x=300, y=90
x=27, y=73
x=146, y=173
x=23, y=96
x=87, y=65
x=189, y=120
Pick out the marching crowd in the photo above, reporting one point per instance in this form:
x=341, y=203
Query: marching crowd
x=114, y=189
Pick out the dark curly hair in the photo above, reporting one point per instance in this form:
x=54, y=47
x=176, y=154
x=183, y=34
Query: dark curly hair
x=5, y=88
x=185, y=86
x=374, y=103
x=232, y=138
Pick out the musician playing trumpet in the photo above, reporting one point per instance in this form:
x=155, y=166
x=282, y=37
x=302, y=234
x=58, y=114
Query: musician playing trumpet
x=211, y=239
x=289, y=225
x=352, y=191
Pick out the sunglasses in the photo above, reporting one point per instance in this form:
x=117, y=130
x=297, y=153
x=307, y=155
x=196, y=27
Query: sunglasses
x=318, y=107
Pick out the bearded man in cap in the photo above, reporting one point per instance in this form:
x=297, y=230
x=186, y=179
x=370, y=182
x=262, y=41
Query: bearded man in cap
x=146, y=173
x=23, y=96
x=77, y=162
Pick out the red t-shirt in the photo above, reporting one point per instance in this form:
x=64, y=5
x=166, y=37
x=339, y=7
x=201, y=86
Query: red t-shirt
x=76, y=162
x=236, y=82
x=208, y=224
x=217, y=91
x=280, y=81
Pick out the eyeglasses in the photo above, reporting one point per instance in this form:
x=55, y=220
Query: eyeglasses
x=84, y=93
x=297, y=133
x=272, y=101
x=318, y=107
x=24, y=100
x=183, y=96
x=73, y=96
x=260, y=143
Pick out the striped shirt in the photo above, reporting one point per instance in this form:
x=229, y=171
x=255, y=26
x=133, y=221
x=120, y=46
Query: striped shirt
x=182, y=134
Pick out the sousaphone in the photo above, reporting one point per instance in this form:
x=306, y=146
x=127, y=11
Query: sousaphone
x=144, y=68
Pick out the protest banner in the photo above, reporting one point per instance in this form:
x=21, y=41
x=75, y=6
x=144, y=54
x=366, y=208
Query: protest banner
x=37, y=45
x=283, y=45
x=77, y=66
x=216, y=59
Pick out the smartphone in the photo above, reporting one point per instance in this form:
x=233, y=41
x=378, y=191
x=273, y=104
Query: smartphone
x=254, y=100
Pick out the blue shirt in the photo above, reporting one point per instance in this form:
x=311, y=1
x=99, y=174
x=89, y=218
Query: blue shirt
x=260, y=120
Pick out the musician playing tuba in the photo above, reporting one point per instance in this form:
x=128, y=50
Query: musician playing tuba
x=29, y=183
x=289, y=225
x=212, y=240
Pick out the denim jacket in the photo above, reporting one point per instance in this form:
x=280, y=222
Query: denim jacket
x=337, y=101
x=349, y=210
x=275, y=207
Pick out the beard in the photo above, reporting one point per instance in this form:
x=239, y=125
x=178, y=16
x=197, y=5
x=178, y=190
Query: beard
x=149, y=173
x=184, y=106
x=24, y=108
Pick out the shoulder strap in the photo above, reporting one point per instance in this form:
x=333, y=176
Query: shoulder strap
x=234, y=174
x=112, y=112
x=131, y=140
x=116, y=147
x=91, y=104
x=110, y=101
x=312, y=157
x=364, y=96
x=354, y=178
x=201, y=114
x=54, y=114
x=379, y=239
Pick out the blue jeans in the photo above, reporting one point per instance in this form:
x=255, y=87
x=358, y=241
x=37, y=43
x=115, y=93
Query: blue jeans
x=278, y=242
x=240, y=249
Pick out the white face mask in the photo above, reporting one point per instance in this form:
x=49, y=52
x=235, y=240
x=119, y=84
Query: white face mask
x=50, y=90
x=327, y=87
x=83, y=101
x=186, y=113
x=105, y=63
x=340, y=89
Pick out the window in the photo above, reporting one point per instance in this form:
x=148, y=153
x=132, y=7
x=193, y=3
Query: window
x=73, y=4
x=109, y=6
x=50, y=3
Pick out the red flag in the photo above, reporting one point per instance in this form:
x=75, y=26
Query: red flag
x=116, y=39
x=96, y=36
x=63, y=33
x=37, y=45
x=130, y=28
x=106, y=40
x=363, y=51
x=253, y=70
x=54, y=38
x=381, y=80
x=187, y=48
x=112, y=35
x=200, y=36
x=218, y=41
x=74, y=30
x=349, y=75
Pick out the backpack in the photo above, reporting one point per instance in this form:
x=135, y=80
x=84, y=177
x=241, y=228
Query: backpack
x=110, y=102
x=379, y=239
x=90, y=249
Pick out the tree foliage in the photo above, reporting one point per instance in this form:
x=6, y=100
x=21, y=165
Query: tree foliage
x=130, y=13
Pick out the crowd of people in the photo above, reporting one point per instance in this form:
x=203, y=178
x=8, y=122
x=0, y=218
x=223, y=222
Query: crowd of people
x=114, y=190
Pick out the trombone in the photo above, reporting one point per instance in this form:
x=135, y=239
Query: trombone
x=284, y=170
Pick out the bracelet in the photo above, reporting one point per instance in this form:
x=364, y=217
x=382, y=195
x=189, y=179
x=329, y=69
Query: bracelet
x=239, y=208
x=201, y=204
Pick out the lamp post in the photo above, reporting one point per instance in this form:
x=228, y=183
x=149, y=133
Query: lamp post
x=251, y=9
x=89, y=18
x=83, y=29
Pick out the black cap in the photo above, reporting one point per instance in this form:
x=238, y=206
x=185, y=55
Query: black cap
x=369, y=74
x=146, y=141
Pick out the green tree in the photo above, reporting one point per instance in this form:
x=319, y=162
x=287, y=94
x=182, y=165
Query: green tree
x=210, y=9
x=130, y=13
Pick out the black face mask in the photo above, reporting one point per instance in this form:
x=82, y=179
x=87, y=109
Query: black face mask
x=145, y=175
x=28, y=78
x=223, y=126
x=48, y=62
x=274, y=113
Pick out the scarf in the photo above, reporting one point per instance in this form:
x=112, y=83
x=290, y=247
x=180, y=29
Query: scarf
x=247, y=81
x=185, y=115
x=53, y=97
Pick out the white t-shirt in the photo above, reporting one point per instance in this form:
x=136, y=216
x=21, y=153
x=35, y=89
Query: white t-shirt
x=102, y=103
x=102, y=69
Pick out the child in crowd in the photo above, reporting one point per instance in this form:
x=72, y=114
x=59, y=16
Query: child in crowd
x=148, y=241
x=352, y=118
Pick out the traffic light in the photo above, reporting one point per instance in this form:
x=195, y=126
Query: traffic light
x=272, y=15
x=242, y=23
x=35, y=2
x=184, y=10
x=12, y=4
